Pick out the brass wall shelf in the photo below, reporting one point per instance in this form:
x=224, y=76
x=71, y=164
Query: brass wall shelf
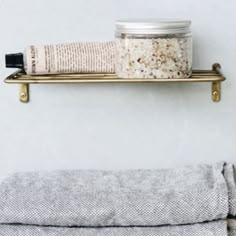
x=213, y=76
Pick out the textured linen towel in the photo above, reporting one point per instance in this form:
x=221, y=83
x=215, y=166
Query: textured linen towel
x=205, y=229
x=232, y=226
x=232, y=233
x=118, y=198
x=189, y=201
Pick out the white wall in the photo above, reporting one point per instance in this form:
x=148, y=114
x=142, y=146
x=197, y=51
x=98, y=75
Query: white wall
x=116, y=125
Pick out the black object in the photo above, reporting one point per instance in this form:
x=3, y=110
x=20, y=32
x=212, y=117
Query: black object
x=15, y=60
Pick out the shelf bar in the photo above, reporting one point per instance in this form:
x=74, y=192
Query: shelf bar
x=213, y=76
x=111, y=80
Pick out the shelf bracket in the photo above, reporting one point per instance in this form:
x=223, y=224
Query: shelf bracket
x=24, y=93
x=216, y=91
x=216, y=85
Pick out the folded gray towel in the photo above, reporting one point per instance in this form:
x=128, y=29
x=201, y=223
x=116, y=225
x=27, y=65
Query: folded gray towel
x=208, y=229
x=118, y=198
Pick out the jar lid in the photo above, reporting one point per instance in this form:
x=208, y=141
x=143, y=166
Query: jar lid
x=152, y=26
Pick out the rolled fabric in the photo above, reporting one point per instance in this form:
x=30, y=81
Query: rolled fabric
x=90, y=198
x=217, y=228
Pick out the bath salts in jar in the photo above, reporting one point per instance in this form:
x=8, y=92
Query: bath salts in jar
x=153, y=49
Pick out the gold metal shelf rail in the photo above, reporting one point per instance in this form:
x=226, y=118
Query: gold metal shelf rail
x=214, y=76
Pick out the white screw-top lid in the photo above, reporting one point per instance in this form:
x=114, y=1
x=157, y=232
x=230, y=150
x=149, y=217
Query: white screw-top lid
x=152, y=26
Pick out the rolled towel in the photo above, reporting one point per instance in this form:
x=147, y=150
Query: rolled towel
x=187, y=195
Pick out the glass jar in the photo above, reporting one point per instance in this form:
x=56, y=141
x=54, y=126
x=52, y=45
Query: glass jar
x=153, y=49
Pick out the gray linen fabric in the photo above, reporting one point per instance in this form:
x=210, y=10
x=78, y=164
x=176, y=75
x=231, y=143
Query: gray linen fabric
x=205, y=229
x=232, y=232
x=186, y=195
x=232, y=227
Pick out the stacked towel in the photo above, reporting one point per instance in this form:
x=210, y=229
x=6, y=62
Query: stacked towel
x=187, y=201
